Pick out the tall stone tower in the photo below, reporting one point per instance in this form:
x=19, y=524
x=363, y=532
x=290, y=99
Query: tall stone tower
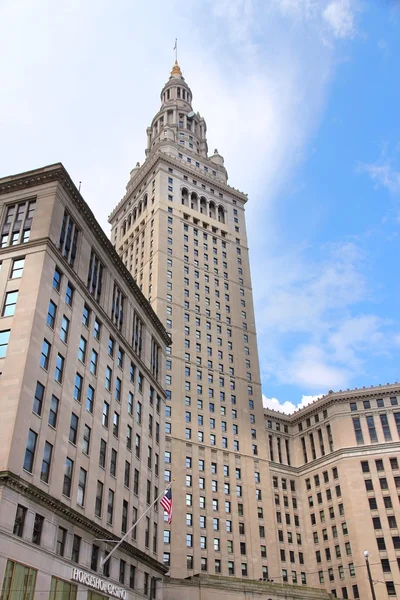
x=180, y=229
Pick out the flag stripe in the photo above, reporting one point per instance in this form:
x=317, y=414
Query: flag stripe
x=166, y=503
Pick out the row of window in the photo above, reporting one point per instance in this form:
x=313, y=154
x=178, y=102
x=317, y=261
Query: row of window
x=370, y=421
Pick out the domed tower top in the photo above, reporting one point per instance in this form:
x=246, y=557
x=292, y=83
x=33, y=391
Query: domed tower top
x=176, y=89
x=176, y=127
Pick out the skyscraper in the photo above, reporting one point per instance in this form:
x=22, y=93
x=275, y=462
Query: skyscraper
x=180, y=229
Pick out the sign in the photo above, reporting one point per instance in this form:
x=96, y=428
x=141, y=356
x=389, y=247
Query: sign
x=98, y=584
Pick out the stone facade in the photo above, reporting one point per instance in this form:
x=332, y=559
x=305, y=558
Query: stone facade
x=82, y=399
x=344, y=459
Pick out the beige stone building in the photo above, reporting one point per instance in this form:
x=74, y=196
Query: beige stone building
x=82, y=368
x=343, y=453
x=180, y=229
x=242, y=507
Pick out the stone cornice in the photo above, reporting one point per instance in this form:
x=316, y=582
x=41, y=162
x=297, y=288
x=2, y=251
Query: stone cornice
x=381, y=391
x=58, y=173
x=148, y=166
x=16, y=483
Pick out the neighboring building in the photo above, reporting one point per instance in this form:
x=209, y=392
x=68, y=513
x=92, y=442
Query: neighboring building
x=211, y=587
x=343, y=452
x=82, y=361
x=180, y=229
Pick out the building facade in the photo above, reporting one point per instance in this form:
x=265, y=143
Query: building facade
x=180, y=229
x=82, y=362
x=343, y=453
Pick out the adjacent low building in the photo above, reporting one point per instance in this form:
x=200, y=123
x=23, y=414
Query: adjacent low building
x=82, y=366
x=336, y=464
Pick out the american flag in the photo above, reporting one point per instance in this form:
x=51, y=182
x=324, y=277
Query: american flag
x=166, y=503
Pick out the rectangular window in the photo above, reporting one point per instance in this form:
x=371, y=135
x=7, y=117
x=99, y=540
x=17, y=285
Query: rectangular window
x=117, y=307
x=371, y=429
x=385, y=427
x=95, y=276
x=82, y=487
x=10, y=303
x=138, y=330
x=37, y=529
x=358, y=430
x=61, y=539
x=64, y=329
x=38, y=399
x=68, y=471
x=19, y=522
x=30, y=451
x=59, y=370
x=110, y=507
x=19, y=582
x=17, y=225
x=99, y=499
x=46, y=462
x=68, y=238
x=53, y=413
x=45, y=355
x=17, y=268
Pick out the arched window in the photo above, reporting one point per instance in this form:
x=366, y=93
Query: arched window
x=140, y=208
x=212, y=211
x=145, y=201
x=134, y=214
x=221, y=214
x=203, y=205
x=185, y=197
x=194, y=201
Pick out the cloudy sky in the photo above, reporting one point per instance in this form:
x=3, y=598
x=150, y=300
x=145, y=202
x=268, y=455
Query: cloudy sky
x=300, y=96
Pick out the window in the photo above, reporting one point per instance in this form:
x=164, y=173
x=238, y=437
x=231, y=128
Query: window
x=57, y=280
x=110, y=507
x=19, y=581
x=82, y=487
x=90, y=399
x=96, y=329
x=37, y=529
x=17, y=225
x=69, y=294
x=45, y=355
x=106, y=414
x=68, y=238
x=358, y=430
x=19, y=522
x=17, y=268
x=86, y=439
x=371, y=429
x=30, y=451
x=385, y=427
x=59, y=370
x=95, y=276
x=68, y=470
x=82, y=349
x=73, y=428
x=10, y=304
x=46, y=462
x=61, y=539
x=64, y=329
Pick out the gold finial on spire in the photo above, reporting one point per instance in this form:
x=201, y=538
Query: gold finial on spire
x=176, y=70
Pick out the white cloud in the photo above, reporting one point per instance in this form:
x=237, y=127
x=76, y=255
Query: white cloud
x=383, y=175
x=310, y=331
x=339, y=16
x=287, y=406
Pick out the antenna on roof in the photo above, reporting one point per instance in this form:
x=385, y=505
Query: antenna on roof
x=79, y=188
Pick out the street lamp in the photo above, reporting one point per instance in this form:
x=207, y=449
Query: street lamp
x=366, y=556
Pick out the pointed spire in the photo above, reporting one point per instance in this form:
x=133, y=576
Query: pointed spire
x=176, y=70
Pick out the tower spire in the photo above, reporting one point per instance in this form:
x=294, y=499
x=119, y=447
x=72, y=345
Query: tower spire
x=176, y=50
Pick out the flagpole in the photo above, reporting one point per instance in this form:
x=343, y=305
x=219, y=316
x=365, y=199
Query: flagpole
x=104, y=560
x=176, y=49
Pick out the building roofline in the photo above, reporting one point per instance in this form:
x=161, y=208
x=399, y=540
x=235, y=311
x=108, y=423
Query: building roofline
x=150, y=163
x=334, y=397
x=57, y=172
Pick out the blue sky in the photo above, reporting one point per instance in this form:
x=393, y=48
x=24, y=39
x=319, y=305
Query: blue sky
x=302, y=99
